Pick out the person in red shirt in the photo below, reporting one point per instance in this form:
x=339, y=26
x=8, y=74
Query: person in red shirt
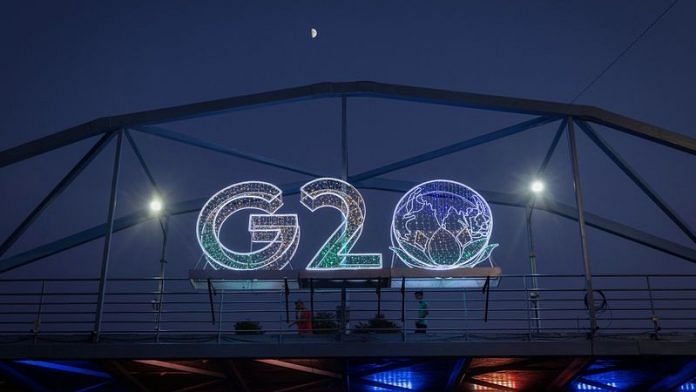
x=303, y=318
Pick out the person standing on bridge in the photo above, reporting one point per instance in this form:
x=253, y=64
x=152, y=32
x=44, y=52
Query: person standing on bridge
x=303, y=318
x=421, y=322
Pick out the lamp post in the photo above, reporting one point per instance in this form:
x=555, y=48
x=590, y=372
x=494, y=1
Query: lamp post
x=157, y=209
x=536, y=188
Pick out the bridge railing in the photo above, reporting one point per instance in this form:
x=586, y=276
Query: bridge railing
x=656, y=305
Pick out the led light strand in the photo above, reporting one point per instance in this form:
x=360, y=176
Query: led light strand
x=442, y=225
x=335, y=253
x=280, y=232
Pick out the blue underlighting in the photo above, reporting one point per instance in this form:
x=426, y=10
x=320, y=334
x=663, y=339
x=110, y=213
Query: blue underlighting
x=22, y=378
x=65, y=368
x=689, y=386
x=581, y=386
x=401, y=378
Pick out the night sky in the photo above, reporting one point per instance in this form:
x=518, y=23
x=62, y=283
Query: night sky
x=68, y=62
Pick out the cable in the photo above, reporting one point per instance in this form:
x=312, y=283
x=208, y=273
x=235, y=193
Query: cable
x=629, y=47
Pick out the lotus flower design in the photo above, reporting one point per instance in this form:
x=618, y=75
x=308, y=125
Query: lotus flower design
x=442, y=225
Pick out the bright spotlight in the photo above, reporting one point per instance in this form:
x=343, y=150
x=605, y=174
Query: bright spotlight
x=537, y=186
x=156, y=205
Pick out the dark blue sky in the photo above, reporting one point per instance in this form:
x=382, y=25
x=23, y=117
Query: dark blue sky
x=69, y=62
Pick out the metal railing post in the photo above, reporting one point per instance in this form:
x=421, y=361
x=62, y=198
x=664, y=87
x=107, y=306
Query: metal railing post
x=529, y=311
x=583, y=230
x=342, y=315
x=220, y=312
x=107, y=239
x=653, y=315
x=403, y=308
x=37, y=322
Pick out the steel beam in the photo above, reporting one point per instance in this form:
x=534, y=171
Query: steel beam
x=440, y=152
x=552, y=148
x=387, y=368
x=107, y=237
x=181, y=368
x=600, y=386
x=202, y=386
x=573, y=346
x=22, y=378
x=356, y=89
x=568, y=374
x=516, y=365
x=308, y=385
x=579, y=203
x=123, y=375
x=300, y=368
x=141, y=160
x=380, y=385
x=496, y=198
x=489, y=385
x=61, y=367
x=192, y=141
x=670, y=382
x=238, y=377
x=55, y=192
x=344, y=138
x=457, y=374
x=637, y=179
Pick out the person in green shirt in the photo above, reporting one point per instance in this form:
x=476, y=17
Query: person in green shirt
x=421, y=322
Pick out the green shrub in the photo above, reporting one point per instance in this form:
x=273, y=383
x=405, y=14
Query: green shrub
x=378, y=324
x=247, y=327
x=324, y=323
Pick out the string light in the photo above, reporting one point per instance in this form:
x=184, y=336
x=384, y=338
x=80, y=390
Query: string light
x=335, y=253
x=442, y=225
x=280, y=232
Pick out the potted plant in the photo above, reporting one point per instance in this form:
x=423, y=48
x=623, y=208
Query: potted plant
x=324, y=323
x=247, y=327
x=378, y=324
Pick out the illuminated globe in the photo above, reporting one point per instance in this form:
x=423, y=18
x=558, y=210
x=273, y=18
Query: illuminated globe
x=441, y=225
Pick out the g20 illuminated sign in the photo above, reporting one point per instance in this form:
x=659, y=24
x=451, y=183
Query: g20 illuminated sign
x=437, y=225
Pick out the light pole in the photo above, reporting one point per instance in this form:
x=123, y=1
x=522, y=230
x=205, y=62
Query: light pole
x=157, y=209
x=536, y=188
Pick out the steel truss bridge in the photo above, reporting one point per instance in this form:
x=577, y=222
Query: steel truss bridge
x=531, y=332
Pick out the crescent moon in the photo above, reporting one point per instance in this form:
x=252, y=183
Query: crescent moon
x=314, y=33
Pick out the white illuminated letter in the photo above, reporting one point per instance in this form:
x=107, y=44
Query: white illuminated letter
x=281, y=232
x=334, y=254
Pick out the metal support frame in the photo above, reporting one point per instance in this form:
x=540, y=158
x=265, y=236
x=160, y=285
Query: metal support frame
x=637, y=179
x=676, y=379
x=581, y=223
x=357, y=89
x=141, y=160
x=571, y=371
x=600, y=386
x=344, y=138
x=55, y=192
x=440, y=152
x=552, y=148
x=547, y=112
x=192, y=141
x=489, y=385
x=107, y=238
x=179, y=367
x=457, y=374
